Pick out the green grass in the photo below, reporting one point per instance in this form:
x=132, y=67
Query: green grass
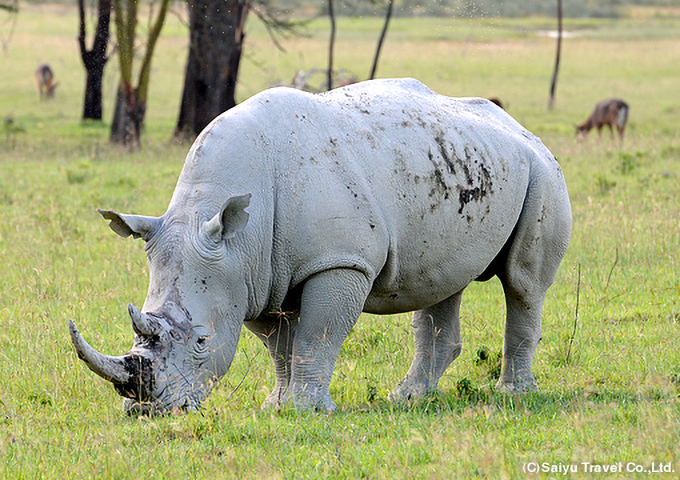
x=613, y=398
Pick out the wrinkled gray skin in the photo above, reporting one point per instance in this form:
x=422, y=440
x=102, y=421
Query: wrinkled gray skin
x=296, y=212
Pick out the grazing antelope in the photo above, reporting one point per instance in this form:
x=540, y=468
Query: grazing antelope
x=44, y=77
x=612, y=112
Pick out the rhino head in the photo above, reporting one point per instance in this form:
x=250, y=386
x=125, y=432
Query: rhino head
x=186, y=334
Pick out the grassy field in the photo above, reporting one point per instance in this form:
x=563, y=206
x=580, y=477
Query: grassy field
x=610, y=398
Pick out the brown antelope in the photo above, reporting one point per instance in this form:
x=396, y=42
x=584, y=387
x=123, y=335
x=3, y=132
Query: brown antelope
x=44, y=77
x=497, y=101
x=612, y=112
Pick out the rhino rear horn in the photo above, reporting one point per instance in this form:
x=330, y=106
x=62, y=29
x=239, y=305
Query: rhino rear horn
x=142, y=323
x=112, y=369
x=136, y=225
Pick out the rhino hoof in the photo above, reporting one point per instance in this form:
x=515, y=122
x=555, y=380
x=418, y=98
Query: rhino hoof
x=410, y=391
x=517, y=387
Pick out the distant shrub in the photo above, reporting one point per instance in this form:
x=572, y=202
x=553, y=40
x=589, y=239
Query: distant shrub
x=479, y=8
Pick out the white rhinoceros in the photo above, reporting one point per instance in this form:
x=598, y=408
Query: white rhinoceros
x=295, y=212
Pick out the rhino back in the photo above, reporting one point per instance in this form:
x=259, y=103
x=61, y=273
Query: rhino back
x=417, y=190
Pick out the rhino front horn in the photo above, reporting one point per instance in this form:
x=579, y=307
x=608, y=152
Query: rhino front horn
x=112, y=369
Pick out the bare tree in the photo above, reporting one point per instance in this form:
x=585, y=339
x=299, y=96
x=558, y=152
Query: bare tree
x=94, y=59
x=12, y=7
x=331, y=44
x=128, y=117
x=383, y=33
x=553, y=83
x=9, y=5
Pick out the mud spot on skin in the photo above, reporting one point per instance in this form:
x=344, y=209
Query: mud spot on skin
x=445, y=154
x=438, y=178
x=201, y=284
x=485, y=187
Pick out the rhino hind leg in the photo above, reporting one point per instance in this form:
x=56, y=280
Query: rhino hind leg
x=533, y=257
x=330, y=305
x=438, y=342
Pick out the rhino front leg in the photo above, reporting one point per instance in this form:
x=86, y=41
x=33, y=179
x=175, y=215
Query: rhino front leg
x=277, y=332
x=438, y=343
x=330, y=305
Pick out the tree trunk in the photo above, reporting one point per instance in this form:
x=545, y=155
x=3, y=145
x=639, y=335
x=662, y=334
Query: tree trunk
x=94, y=59
x=123, y=129
x=128, y=117
x=216, y=34
x=130, y=110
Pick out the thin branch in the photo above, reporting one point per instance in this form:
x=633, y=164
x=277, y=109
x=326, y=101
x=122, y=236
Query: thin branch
x=573, y=333
x=179, y=16
x=276, y=24
x=81, y=25
x=13, y=9
x=331, y=44
x=271, y=30
x=383, y=33
x=611, y=270
x=125, y=19
x=553, y=84
x=101, y=34
x=250, y=363
x=154, y=34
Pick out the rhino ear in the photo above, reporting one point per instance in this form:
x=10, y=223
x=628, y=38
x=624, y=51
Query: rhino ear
x=135, y=225
x=230, y=220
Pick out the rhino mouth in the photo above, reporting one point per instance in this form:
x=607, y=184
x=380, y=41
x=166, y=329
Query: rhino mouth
x=175, y=401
